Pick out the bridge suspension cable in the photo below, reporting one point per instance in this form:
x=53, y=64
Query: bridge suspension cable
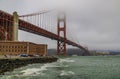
x=42, y=19
x=33, y=14
x=48, y=23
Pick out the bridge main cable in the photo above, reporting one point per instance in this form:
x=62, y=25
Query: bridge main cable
x=33, y=14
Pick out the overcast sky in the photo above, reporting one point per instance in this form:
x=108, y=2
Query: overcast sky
x=94, y=23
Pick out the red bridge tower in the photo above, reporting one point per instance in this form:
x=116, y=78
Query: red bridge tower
x=61, y=29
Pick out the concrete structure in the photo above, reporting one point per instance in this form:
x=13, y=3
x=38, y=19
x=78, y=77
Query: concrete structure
x=16, y=48
x=15, y=26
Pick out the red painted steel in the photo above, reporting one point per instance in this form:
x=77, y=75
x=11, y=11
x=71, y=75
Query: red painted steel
x=61, y=45
x=6, y=24
x=23, y=25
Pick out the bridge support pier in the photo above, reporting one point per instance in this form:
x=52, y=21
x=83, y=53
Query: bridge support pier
x=8, y=26
x=61, y=44
x=15, y=26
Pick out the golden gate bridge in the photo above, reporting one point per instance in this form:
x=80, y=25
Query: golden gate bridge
x=49, y=24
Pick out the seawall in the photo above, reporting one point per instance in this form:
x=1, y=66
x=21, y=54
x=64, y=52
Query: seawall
x=11, y=64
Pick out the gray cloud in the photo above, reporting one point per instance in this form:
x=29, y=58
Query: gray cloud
x=94, y=23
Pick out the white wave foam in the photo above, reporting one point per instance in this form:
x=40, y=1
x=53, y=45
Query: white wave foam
x=66, y=60
x=30, y=71
x=35, y=71
x=56, y=64
x=66, y=73
x=6, y=77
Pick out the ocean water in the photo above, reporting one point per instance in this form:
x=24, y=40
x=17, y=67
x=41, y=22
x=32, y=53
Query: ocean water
x=74, y=67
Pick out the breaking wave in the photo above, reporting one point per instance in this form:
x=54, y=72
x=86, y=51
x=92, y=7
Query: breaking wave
x=53, y=70
x=67, y=60
x=63, y=73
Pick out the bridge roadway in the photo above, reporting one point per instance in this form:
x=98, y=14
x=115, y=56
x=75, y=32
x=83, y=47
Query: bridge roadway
x=25, y=26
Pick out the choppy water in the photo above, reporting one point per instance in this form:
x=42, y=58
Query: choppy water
x=75, y=67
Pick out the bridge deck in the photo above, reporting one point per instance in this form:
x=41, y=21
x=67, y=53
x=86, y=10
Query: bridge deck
x=23, y=25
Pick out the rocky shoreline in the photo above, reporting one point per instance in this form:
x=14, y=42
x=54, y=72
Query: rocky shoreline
x=11, y=64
